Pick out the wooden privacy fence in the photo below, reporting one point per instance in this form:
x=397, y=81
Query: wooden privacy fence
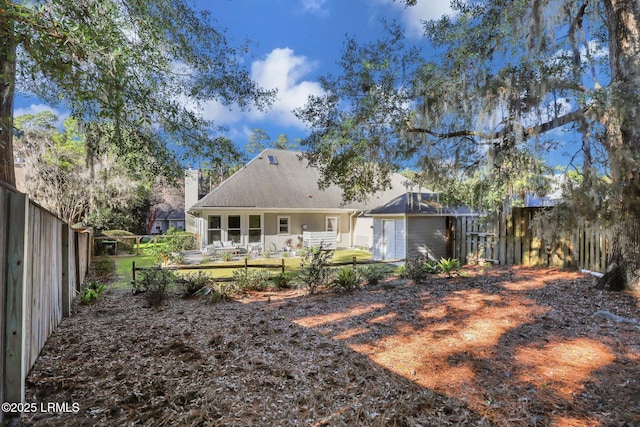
x=43, y=264
x=510, y=240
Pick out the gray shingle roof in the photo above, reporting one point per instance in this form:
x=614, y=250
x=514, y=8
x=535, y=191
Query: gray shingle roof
x=417, y=204
x=289, y=184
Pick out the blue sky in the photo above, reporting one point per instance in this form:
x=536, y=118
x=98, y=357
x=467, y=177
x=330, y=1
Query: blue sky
x=293, y=42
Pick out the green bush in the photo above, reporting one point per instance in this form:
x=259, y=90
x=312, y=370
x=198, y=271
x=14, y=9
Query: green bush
x=103, y=268
x=251, y=280
x=374, y=273
x=192, y=283
x=218, y=291
x=283, y=280
x=419, y=267
x=313, y=268
x=346, y=279
x=401, y=271
x=154, y=283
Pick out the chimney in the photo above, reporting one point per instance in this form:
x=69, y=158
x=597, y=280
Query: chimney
x=190, y=188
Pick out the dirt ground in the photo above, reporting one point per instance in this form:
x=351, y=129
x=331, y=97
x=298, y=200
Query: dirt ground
x=503, y=347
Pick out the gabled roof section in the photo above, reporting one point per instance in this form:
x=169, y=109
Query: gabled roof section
x=281, y=179
x=412, y=203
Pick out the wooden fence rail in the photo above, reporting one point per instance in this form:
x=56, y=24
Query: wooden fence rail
x=43, y=264
x=246, y=265
x=511, y=240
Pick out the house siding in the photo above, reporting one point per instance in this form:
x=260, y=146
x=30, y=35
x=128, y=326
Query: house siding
x=270, y=239
x=427, y=236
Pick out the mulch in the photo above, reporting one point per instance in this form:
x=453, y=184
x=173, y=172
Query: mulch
x=506, y=347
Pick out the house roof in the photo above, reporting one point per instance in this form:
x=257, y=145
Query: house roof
x=418, y=203
x=281, y=179
x=170, y=215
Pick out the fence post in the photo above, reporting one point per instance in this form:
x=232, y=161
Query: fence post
x=133, y=271
x=282, y=265
x=15, y=362
x=67, y=295
x=246, y=265
x=354, y=261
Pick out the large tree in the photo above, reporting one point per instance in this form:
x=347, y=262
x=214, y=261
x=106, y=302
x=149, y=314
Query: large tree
x=141, y=67
x=505, y=74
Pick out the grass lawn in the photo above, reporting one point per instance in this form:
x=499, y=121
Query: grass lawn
x=124, y=264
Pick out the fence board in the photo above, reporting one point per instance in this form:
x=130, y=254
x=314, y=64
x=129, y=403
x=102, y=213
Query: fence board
x=37, y=277
x=510, y=241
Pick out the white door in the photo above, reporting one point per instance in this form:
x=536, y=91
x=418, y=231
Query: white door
x=388, y=239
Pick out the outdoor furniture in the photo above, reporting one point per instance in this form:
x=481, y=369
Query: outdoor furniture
x=218, y=247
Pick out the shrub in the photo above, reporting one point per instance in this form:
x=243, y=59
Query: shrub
x=194, y=282
x=313, y=269
x=283, y=280
x=218, y=291
x=103, y=268
x=374, y=273
x=418, y=268
x=154, y=283
x=346, y=278
x=401, y=271
x=251, y=280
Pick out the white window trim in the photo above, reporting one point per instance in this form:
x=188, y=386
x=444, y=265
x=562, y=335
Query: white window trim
x=337, y=230
x=288, y=217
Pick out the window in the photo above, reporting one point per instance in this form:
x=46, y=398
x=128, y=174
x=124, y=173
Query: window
x=332, y=224
x=214, y=229
x=255, y=229
x=233, y=228
x=283, y=224
x=272, y=160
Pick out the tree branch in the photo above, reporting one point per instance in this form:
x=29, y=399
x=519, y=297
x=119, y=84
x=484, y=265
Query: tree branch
x=527, y=132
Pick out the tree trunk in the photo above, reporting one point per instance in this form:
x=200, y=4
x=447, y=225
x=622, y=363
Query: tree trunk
x=8, y=74
x=623, y=143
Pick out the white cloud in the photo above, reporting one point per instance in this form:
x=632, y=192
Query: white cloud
x=39, y=108
x=424, y=10
x=314, y=6
x=281, y=70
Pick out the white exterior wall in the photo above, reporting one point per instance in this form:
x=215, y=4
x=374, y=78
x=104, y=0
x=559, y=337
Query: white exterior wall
x=399, y=238
x=363, y=232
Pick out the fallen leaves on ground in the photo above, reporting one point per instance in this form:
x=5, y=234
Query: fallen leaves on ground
x=505, y=347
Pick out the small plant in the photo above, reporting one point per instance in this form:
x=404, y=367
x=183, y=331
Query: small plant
x=313, y=268
x=216, y=292
x=251, y=280
x=283, y=280
x=226, y=256
x=418, y=268
x=205, y=259
x=346, y=278
x=267, y=253
x=154, y=283
x=192, y=283
x=401, y=271
x=374, y=273
x=91, y=292
x=449, y=266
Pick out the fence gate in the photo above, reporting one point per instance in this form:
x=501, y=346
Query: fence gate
x=510, y=240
